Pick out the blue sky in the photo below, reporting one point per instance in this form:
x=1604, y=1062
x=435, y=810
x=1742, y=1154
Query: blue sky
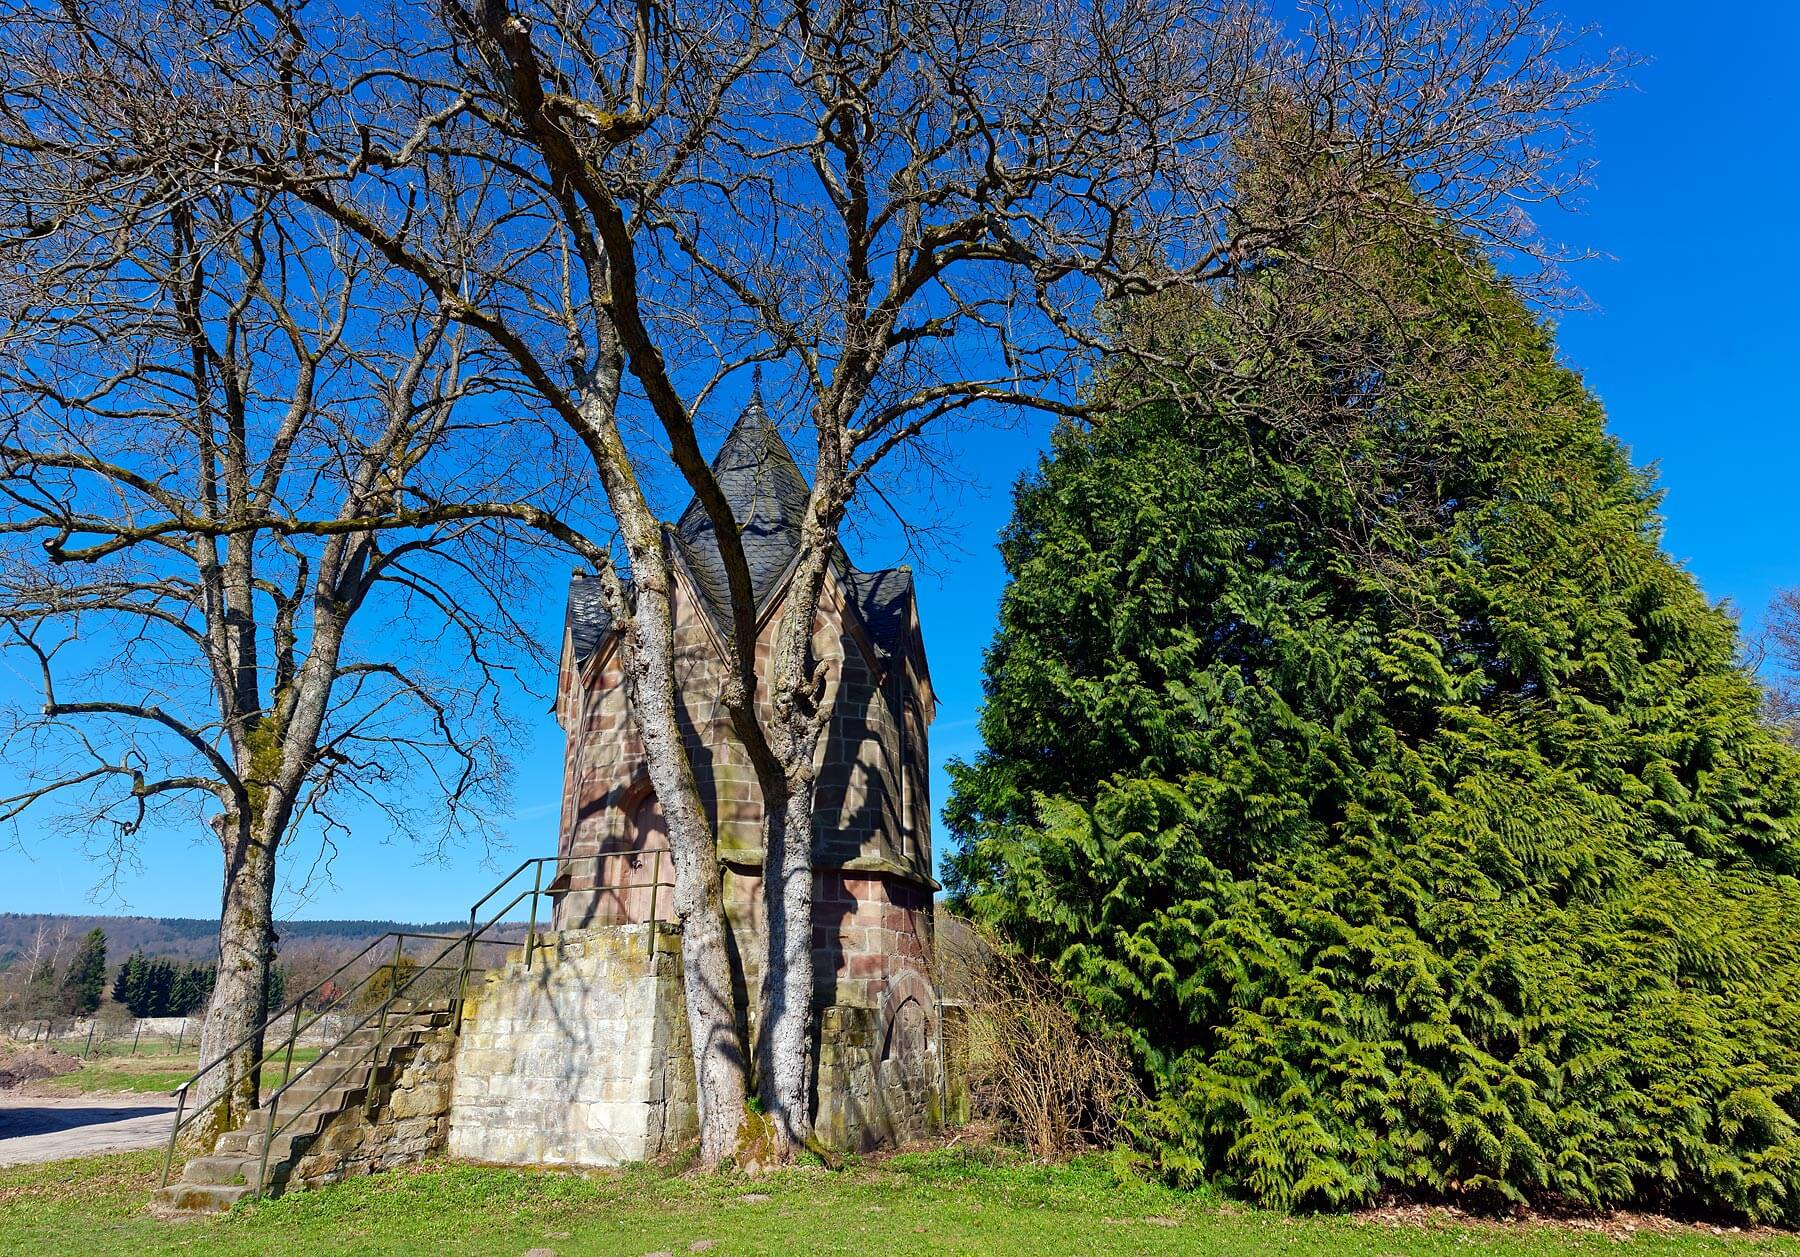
x=1692, y=344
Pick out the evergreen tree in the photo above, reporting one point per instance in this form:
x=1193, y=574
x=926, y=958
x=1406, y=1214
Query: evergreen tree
x=275, y=994
x=191, y=989
x=84, y=981
x=128, y=987
x=159, y=986
x=1385, y=784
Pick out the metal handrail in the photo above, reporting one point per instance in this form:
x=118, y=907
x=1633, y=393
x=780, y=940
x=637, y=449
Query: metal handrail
x=467, y=940
x=283, y=1011
x=300, y=1000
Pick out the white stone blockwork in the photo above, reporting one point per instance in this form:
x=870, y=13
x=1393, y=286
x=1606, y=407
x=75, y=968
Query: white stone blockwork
x=581, y=1059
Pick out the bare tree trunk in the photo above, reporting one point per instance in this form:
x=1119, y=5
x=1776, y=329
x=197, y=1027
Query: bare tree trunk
x=647, y=652
x=785, y=1010
x=246, y=947
x=717, y=1039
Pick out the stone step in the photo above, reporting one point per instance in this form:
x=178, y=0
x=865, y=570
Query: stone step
x=341, y=1079
x=199, y=1197
x=397, y=1032
x=219, y=1170
x=258, y=1122
x=364, y=1039
x=348, y=1063
x=304, y=1101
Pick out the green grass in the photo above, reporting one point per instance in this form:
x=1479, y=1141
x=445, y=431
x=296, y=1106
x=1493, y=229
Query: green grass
x=161, y=1072
x=937, y=1203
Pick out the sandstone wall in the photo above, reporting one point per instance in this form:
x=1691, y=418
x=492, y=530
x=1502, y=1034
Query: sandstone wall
x=888, y=1080
x=582, y=1059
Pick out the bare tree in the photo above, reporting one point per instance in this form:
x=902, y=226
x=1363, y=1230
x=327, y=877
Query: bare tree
x=916, y=214
x=1778, y=651
x=209, y=401
x=28, y=986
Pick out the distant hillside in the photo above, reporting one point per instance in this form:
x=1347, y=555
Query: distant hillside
x=192, y=938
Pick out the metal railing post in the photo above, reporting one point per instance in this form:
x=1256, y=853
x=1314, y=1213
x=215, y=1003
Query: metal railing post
x=655, y=884
x=262, y=1163
x=537, y=882
x=462, y=975
x=287, y=1064
x=169, y=1152
x=393, y=987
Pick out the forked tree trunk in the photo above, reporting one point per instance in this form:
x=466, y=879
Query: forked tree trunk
x=246, y=944
x=647, y=653
x=802, y=702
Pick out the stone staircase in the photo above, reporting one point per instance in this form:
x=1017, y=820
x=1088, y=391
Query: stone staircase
x=347, y=1078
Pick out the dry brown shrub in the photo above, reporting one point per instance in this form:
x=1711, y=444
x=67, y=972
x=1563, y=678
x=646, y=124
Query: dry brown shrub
x=1035, y=1070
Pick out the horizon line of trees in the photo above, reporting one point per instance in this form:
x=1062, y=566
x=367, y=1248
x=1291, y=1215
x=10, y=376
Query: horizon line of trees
x=37, y=985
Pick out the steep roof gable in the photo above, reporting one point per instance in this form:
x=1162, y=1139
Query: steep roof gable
x=768, y=495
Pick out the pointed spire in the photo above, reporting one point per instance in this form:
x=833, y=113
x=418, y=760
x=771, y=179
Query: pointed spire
x=753, y=409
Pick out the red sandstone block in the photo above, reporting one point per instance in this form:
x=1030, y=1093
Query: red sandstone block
x=866, y=965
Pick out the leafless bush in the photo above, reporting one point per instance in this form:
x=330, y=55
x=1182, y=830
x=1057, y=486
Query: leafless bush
x=1775, y=654
x=1035, y=1070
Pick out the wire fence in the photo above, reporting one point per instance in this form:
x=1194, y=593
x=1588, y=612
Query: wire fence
x=103, y=1037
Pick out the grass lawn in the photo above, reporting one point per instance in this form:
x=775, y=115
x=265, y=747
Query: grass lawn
x=943, y=1202
x=162, y=1072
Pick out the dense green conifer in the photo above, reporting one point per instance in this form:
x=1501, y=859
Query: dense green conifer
x=128, y=984
x=1381, y=779
x=84, y=982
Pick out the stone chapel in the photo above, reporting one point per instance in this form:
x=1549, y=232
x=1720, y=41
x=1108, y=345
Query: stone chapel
x=572, y=1048
x=881, y=1051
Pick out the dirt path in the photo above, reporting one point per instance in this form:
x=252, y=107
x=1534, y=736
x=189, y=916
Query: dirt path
x=50, y=1128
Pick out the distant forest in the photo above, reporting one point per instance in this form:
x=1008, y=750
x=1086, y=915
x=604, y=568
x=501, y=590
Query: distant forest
x=192, y=938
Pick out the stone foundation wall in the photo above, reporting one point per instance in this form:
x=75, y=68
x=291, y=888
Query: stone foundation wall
x=409, y=1120
x=581, y=1059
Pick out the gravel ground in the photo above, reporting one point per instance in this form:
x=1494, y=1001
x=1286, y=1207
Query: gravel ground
x=50, y=1128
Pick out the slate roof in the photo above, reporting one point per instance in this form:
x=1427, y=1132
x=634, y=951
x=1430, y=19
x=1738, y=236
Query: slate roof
x=768, y=495
x=588, y=618
x=882, y=597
